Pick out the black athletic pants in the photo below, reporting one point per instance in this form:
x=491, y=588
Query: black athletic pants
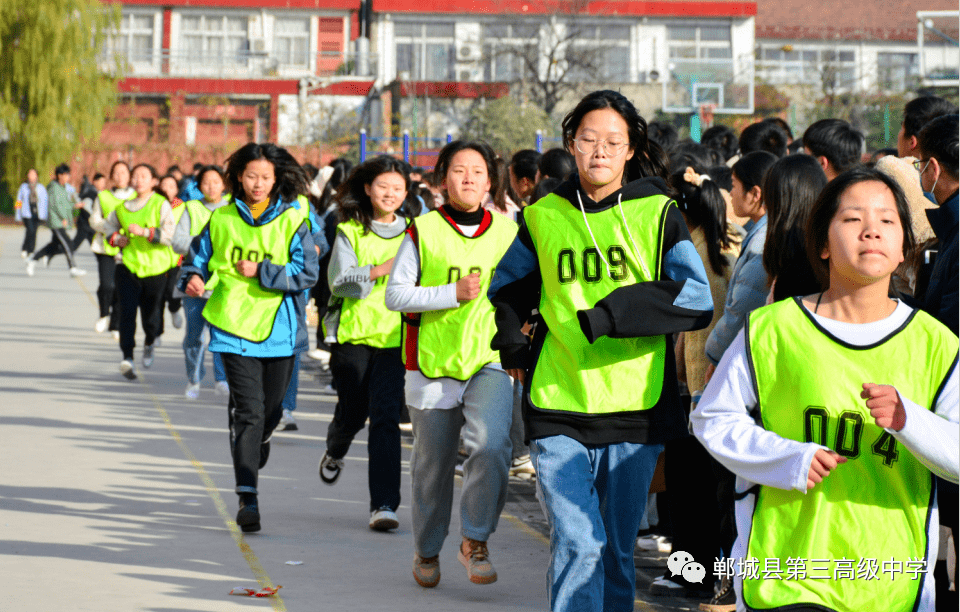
x=145, y=294
x=59, y=243
x=30, y=225
x=257, y=387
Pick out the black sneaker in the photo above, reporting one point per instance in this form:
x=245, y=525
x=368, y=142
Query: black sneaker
x=724, y=600
x=330, y=469
x=248, y=517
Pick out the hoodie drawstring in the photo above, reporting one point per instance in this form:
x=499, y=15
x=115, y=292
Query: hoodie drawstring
x=636, y=251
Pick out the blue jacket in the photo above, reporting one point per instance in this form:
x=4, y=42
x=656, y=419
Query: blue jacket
x=746, y=292
x=23, y=196
x=289, y=335
x=190, y=190
x=940, y=300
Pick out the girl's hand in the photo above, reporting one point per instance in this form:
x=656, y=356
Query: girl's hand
x=194, y=286
x=824, y=462
x=247, y=268
x=119, y=240
x=468, y=287
x=885, y=406
x=381, y=270
x=517, y=374
x=136, y=230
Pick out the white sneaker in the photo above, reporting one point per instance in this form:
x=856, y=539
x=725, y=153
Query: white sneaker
x=655, y=543
x=320, y=355
x=24, y=254
x=406, y=428
x=75, y=272
x=148, y=356
x=46, y=261
x=287, y=422
x=521, y=465
x=102, y=324
x=222, y=388
x=177, y=319
x=383, y=519
x=31, y=266
x=193, y=391
x=115, y=334
x=128, y=369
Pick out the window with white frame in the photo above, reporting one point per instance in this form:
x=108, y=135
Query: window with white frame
x=425, y=51
x=701, y=60
x=214, y=39
x=134, y=40
x=897, y=71
x=789, y=64
x=291, y=41
x=599, y=52
x=509, y=50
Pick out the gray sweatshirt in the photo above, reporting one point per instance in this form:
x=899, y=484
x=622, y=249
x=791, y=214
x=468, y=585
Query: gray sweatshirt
x=347, y=278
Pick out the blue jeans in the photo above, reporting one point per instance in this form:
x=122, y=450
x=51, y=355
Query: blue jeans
x=290, y=398
x=594, y=498
x=193, y=345
x=485, y=416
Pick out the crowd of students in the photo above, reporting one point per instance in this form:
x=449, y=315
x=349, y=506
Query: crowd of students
x=742, y=307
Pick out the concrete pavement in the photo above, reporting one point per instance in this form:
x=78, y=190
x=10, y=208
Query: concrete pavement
x=118, y=495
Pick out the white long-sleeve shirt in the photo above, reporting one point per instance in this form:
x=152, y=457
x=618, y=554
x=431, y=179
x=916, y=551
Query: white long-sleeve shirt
x=404, y=295
x=722, y=422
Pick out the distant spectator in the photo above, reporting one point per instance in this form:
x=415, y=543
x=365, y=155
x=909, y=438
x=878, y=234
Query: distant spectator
x=690, y=153
x=836, y=144
x=31, y=208
x=523, y=173
x=663, y=134
x=176, y=173
x=59, y=220
x=556, y=163
x=721, y=139
x=916, y=114
x=544, y=188
x=763, y=136
x=190, y=188
x=783, y=125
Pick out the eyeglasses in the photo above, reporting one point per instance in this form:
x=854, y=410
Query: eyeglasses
x=590, y=145
x=921, y=165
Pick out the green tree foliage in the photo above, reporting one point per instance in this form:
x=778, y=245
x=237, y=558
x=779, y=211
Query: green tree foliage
x=54, y=93
x=507, y=125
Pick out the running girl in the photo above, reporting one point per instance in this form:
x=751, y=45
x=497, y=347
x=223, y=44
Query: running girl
x=363, y=335
x=168, y=188
x=608, y=261
x=833, y=433
x=142, y=227
x=438, y=280
x=195, y=217
x=257, y=256
x=107, y=254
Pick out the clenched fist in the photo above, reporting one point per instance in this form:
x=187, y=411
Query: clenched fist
x=824, y=462
x=468, y=287
x=885, y=406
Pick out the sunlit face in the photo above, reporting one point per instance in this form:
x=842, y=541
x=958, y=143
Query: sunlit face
x=386, y=194
x=865, y=239
x=120, y=176
x=32, y=176
x=467, y=180
x=211, y=186
x=142, y=181
x=100, y=184
x=744, y=202
x=169, y=187
x=602, y=147
x=258, y=179
x=521, y=187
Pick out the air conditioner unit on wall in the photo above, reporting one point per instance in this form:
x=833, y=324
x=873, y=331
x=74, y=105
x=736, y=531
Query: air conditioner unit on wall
x=468, y=52
x=465, y=76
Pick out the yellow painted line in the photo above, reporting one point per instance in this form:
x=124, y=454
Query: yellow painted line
x=92, y=299
x=263, y=579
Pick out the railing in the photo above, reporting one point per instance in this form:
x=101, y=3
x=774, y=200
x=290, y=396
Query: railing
x=242, y=64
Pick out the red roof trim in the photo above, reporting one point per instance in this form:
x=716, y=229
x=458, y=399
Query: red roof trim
x=342, y=5
x=208, y=86
x=659, y=8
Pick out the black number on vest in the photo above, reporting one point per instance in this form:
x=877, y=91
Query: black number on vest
x=618, y=262
x=848, y=442
x=253, y=255
x=236, y=254
x=886, y=447
x=453, y=274
x=815, y=422
x=475, y=270
x=566, y=269
x=591, y=265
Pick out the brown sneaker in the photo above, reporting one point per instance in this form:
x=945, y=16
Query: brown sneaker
x=426, y=571
x=476, y=559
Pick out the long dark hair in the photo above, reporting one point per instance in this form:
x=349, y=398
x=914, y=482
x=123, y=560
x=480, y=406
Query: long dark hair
x=751, y=169
x=827, y=205
x=705, y=207
x=648, y=157
x=291, y=181
x=789, y=192
x=353, y=203
x=452, y=148
x=341, y=170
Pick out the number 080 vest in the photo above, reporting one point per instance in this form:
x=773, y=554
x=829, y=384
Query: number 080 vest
x=238, y=304
x=874, y=506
